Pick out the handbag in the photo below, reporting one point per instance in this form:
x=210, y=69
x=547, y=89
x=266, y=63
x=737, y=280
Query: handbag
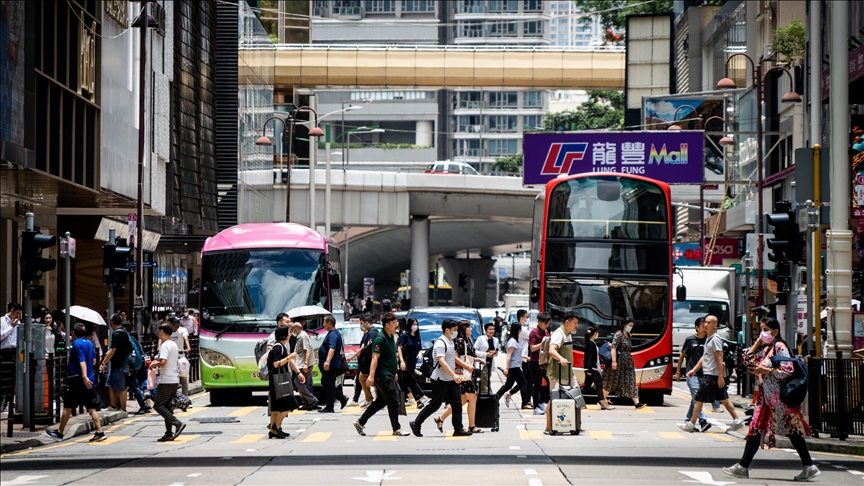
x=400, y=398
x=466, y=375
x=183, y=367
x=283, y=383
x=793, y=390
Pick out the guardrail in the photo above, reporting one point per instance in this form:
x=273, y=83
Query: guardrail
x=836, y=396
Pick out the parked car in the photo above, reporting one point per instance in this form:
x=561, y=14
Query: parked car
x=448, y=167
x=351, y=335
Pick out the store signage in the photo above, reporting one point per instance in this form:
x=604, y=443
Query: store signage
x=87, y=61
x=856, y=70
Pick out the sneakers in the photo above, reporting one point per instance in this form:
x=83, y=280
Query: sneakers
x=461, y=433
x=527, y=406
x=808, y=473
x=507, y=400
x=420, y=404
x=399, y=433
x=737, y=471
x=543, y=407
x=98, y=437
x=415, y=428
x=704, y=425
x=143, y=411
x=352, y=403
x=343, y=402
x=179, y=430
x=411, y=403
x=640, y=405
x=687, y=427
x=359, y=428
x=736, y=424
x=168, y=437
x=54, y=434
x=539, y=411
x=365, y=405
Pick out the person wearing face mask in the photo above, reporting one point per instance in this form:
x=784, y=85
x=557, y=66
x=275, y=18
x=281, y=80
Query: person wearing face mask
x=487, y=346
x=620, y=378
x=772, y=417
x=409, y=347
x=305, y=360
x=514, y=374
x=712, y=385
x=188, y=323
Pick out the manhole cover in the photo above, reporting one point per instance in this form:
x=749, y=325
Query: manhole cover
x=216, y=420
x=209, y=432
x=438, y=450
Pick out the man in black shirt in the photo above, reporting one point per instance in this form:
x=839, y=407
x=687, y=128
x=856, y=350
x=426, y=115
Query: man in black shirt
x=691, y=352
x=119, y=350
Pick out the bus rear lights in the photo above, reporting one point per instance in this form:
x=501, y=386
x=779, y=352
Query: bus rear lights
x=214, y=358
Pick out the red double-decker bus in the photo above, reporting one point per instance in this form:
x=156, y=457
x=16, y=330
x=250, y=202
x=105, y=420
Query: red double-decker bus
x=602, y=248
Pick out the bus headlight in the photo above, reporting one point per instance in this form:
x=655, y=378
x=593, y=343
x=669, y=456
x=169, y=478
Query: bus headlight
x=214, y=358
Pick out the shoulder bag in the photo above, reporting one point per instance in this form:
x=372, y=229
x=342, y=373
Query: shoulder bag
x=793, y=390
x=283, y=382
x=465, y=375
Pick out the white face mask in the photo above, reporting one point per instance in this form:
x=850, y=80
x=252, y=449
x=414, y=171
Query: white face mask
x=628, y=328
x=185, y=314
x=414, y=328
x=454, y=334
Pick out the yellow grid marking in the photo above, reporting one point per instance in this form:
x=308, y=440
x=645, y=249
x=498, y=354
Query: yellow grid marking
x=183, y=439
x=243, y=411
x=318, y=437
x=385, y=435
x=671, y=435
x=248, y=439
x=599, y=434
x=110, y=440
x=530, y=434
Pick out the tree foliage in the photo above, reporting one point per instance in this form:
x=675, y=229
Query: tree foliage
x=508, y=163
x=603, y=110
x=790, y=41
x=613, y=13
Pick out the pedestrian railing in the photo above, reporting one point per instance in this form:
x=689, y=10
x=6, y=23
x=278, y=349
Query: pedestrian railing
x=194, y=360
x=836, y=396
x=7, y=393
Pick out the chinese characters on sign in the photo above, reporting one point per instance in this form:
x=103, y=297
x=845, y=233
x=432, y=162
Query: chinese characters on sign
x=671, y=157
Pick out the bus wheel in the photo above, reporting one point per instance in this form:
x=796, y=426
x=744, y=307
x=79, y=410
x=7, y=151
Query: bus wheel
x=652, y=398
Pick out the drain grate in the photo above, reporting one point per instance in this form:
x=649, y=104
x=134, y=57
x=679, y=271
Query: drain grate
x=209, y=432
x=216, y=420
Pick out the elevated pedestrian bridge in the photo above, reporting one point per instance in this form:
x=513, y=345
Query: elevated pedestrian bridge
x=422, y=66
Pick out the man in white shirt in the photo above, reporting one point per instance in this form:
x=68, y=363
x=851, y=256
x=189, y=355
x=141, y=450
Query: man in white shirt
x=305, y=360
x=180, y=336
x=487, y=346
x=9, y=331
x=169, y=381
x=188, y=322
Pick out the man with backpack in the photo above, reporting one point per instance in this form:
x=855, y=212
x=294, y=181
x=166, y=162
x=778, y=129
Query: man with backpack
x=119, y=350
x=538, y=338
x=137, y=374
x=691, y=352
x=364, y=361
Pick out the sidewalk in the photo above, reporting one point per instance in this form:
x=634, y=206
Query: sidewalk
x=77, y=426
x=854, y=445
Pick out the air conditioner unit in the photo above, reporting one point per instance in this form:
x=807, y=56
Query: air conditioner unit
x=767, y=51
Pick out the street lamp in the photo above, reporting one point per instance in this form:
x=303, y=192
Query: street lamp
x=790, y=97
x=327, y=191
x=346, y=150
x=288, y=132
x=675, y=126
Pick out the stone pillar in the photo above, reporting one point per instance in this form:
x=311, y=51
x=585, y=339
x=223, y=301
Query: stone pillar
x=419, y=261
x=476, y=268
x=423, y=135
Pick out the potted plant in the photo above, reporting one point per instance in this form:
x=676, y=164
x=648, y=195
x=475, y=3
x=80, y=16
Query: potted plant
x=790, y=42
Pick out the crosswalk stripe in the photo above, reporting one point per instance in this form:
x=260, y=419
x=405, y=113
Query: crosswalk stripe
x=298, y=412
x=671, y=435
x=593, y=407
x=240, y=412
x=720, y=436
x=113, y=439
x=599, y=434
x=646, y=410
x=352, y=410
x=248, y=439
x=384, y=435
x=530, y=434
x=318, y=437
x=450, y=436
x=183, y=439
x=189, y=412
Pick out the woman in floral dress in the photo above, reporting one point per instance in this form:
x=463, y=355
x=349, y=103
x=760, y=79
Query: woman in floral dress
x=773, y=417
x=620, y=378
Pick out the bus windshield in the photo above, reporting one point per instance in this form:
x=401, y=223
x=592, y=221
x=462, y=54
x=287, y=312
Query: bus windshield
x=604, y=304
x=684, y=314
x=608, y=208
x=246, y=290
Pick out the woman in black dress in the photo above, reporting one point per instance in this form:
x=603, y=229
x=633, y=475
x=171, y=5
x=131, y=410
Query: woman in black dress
x=464, y=363
x=592, y=368
x=278, y=357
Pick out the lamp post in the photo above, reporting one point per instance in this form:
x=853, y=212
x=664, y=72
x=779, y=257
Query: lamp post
x=675, y=126
x=327, y=195
x=790, y=97
x=342, y=131
x=346, y=135
x=288, y=133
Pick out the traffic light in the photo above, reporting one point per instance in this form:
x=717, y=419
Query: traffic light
x=463, y=281
x=787, y=244
x=32, y=263
x=114, y=259
x=781, y=275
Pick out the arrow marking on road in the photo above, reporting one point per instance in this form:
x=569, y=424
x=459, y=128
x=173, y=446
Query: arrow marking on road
x=378, y=476
x=23, y=480
x=193, y=475
x=703, y=477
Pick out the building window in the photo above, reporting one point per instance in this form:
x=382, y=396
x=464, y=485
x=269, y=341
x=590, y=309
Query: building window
x=533, y=28
x=346, y=7
x=532, y=98
x=392, y=95
x=503, y=99
x=503, y=29
x=471, y=29
x=502, y=147
x=418, y=5
x=503, y=5
x=502, y=123
x=469, y=148
x=380, y=6
x=470, y=123
x=532, y=122
x=532, y=6
x=470, y=99
x=471, y=6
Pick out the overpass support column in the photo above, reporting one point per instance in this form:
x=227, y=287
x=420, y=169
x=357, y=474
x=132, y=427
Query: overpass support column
x=419, y=261
x=423, y=136
x=476, y=269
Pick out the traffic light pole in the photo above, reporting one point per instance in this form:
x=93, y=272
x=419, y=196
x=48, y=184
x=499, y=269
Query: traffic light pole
x=112, y=238
x=24, y=362
x=68, y=291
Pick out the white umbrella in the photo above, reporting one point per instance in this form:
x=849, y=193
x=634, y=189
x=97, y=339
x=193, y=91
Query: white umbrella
x=86, y=314
x=309, y=312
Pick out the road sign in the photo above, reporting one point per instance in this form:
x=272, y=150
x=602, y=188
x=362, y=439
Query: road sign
x=67, y=245
x=132, y=217
x=803, y=219
x=151, y=264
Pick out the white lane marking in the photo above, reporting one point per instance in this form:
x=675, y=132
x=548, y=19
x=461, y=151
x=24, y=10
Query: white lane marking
x=176, y=484
x=703, y=477
x=194, y=475
x=531, y=472
x=514, y=447
x=226, y=458
x=378, y=476
x=788, y=450
x=837, y=466
x=315, y=420
x=23, y=480
x=521, y=457
x=857, y=473
x=250, y=450
x=300, y=431
x=535, y=482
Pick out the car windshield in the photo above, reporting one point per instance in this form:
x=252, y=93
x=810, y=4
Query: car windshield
x=248, y=289
x=351, y=335
x=684, y=314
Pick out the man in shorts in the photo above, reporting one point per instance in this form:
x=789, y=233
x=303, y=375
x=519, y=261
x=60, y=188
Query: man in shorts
x=80, y=386
x=120, y=349
x=712, y=385
x=560, y=353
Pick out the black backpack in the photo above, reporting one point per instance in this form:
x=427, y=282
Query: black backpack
x=793, y=390
x=429, y=362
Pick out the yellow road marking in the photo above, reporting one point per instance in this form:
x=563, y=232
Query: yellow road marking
x=318, y=437
x=40, y=449
x=243, y=411
x=720, y=436
x=599, y=434
x=384, y=435
x=646, y=410
x=110, y=440
x=530, y=434
x=593, y=407
x=298, y=412
x=183, y=439
x=189, y=412
x=671, y=435
x=352, y=410
x=450, y=436
x=248, y=439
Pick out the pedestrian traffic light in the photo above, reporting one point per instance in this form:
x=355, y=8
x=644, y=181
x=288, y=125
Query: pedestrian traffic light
x=463, y=281
x=787, y=244
x=781, y=275
x=32, y=263
x=115, y=256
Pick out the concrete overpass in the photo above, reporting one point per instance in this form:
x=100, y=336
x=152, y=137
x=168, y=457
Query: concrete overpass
x=422, y=66
x=411, y=217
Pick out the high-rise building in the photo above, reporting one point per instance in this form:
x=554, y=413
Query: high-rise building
x=566, y=28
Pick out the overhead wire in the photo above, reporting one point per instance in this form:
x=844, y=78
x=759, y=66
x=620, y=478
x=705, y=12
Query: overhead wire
x=83, y=23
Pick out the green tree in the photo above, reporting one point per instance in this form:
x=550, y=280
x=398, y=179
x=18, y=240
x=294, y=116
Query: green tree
x=613, y=13
x=603, y=110
x=508, y=163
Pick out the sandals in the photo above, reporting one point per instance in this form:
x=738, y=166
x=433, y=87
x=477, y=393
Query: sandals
x=475, y=430
x=440, y=424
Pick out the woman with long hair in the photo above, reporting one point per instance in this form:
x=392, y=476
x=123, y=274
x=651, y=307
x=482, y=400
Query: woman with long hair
x=621, y=378
x=515, y=377
x=592, y=368
x=278, y=357
x=408, y=347
x=772, y=417
x=464, y=362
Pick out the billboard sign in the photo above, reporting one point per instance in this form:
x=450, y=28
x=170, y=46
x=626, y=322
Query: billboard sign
x=674, y=157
